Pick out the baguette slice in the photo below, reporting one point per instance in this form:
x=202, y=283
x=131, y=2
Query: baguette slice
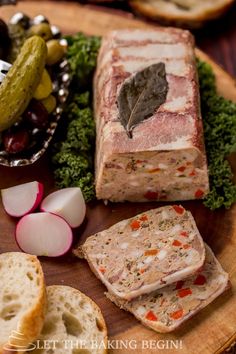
x=147, y=252
x=74, y=322
x=186, y=13
x=168, y=308
x=22, y=300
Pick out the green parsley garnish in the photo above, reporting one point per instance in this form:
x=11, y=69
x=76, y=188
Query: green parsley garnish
x=219, y=119
x=82, y=57
x=73, y=148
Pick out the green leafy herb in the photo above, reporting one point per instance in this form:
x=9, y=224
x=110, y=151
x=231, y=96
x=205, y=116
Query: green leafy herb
x=72, y=156
x=73, y=148
x=219, y=119
x=141, y=95
x=82, y=57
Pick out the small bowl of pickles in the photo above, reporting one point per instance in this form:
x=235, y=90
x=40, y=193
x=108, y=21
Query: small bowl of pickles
x=34, y=86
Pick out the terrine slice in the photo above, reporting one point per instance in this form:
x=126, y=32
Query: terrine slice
x=165, y=159
x=167, y=308
x=147, y=252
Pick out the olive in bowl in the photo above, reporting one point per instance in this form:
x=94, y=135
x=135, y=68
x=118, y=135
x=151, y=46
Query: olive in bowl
x=4, y=40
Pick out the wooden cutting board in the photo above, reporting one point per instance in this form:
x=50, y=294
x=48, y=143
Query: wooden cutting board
x=214, y=328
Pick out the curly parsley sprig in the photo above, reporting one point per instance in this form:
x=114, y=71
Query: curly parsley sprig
x=73, y=149
x=219, y=119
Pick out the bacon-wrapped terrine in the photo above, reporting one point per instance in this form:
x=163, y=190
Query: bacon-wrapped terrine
x=167, y=308
x=165, y=158
x=147, y=252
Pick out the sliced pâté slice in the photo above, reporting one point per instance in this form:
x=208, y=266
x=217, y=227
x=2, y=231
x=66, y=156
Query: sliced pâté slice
x=167, y=308
x=145, y=253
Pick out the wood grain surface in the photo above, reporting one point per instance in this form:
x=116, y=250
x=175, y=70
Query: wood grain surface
x=214, y=327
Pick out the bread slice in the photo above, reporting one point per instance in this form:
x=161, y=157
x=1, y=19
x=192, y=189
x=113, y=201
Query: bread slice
x=22, y=300
x=186, y=13
x=166, y=309
x=74, y=322
x=147, y=252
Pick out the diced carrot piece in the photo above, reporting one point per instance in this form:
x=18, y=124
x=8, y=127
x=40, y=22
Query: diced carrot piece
x=102, y=270
x=176, y=243
x=177, y=314
x=152, y=252
x=178, y=209
x=154, y=170
x=186, y=246
x=135, y=225
x=151, y=316
x=184, y=292
x=179, y=284
x=181, y=168
x=193, y=173
x=142, y=270
x=199, y=193
x=143, y=218
x=200, y=280
x=151, y=195
x=184, y=233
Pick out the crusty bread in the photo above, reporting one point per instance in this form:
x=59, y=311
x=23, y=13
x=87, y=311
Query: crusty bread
x=186, y=13
x=166, y=309
x=22, y=300
x=74, y=321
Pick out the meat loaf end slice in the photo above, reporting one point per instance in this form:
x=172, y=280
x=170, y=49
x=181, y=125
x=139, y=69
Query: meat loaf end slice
x=147, y=252
x=169, y=307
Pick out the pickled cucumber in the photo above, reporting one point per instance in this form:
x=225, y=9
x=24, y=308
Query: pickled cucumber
x=21, y=81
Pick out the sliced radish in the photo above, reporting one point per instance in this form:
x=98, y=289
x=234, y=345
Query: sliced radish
x=68, y=203
x=22, y=199
x=44, y=234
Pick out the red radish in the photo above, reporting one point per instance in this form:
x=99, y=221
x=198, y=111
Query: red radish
x=22, y=199
x=44, y=234
x=68, y=203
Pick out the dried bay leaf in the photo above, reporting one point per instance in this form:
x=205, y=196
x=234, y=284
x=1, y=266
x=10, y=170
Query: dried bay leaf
x=141, y=95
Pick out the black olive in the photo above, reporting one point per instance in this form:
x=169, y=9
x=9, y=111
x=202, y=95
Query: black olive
x=4, y=40
x=17, y=141
x=39, y=19
x=36, y=114
x=20, y=19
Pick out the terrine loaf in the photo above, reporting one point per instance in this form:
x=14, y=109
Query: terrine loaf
x=149, y=129
x=147, y=252
x=167, y=308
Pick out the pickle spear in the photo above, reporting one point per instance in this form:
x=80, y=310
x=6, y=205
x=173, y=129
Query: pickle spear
x=21, y=81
